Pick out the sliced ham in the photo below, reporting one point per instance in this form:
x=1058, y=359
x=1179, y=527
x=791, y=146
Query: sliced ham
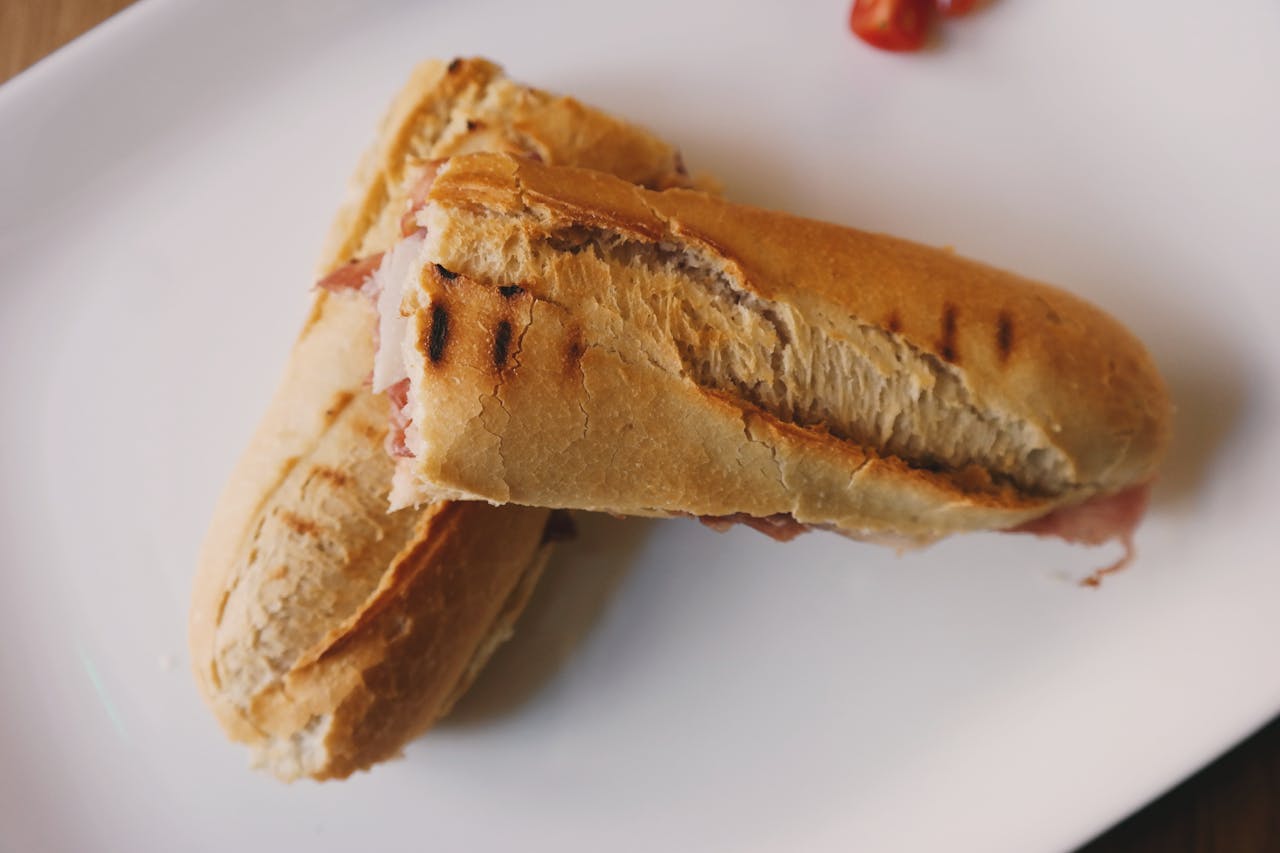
x=398, y=394
x=781, y=526
x=352, y=275
x=386, y=290
x=1095, y=522
x=370, y=276
x=358, y=274
x=418, y=197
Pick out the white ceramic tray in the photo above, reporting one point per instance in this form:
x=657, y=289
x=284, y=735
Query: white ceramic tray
x=165, y=184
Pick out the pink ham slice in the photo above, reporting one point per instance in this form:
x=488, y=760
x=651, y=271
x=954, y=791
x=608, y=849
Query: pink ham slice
x=1097, y=521
x=781, y=526
x=398, y=394
x=355, y=274
x=351, y=275
x=418, y=197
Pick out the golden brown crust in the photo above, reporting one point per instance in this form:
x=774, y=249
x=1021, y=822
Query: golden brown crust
x=396, y=666
x=324, y=632
x=711, y=346
x=1037, y=352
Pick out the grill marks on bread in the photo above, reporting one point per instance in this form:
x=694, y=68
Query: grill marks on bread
x=947, y=342
x=298, y=524
x=574, y=350
x=337, y=406
x=1004, y=336
x=947, y=345
x=457, y=307
x=863, y=350
x=439, y=333
x=501, y=343
x=686, y=313
x=737, y=360
x=436, y=336
x=337, y=479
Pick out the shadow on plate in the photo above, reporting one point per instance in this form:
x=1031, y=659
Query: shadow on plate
x=1209, y=406
x=576, y=588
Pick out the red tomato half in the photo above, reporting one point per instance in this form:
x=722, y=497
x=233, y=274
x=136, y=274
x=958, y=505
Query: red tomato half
x=956, y=8
x=891, y=24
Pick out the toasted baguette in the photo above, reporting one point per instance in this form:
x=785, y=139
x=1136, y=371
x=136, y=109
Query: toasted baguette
x=325, y=632
x=575, y=341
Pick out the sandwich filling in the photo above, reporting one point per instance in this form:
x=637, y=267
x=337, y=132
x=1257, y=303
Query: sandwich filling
x=386, y=288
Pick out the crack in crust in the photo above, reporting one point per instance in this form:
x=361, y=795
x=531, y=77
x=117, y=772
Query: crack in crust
x=866, y=387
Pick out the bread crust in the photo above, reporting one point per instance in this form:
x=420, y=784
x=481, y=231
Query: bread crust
x=325, y=632
x=663, y=406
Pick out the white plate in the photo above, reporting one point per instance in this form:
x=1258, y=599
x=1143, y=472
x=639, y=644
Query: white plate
x=165, y=184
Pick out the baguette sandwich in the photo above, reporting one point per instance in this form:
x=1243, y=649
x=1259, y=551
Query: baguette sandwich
x=325, y=632
x=570, y=340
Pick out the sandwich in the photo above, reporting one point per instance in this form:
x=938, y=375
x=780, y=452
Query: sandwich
x=562, y=338
x=326, y=632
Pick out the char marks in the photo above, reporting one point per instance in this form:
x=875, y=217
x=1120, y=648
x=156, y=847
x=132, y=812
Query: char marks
x=336, y=478
x=371, y=431
x=573, y=352
x=853, y=386
x=298, y=524
x=438, y=335
x=1004, y=335
x=336, y=406
x=501, y=344
x=947, y=343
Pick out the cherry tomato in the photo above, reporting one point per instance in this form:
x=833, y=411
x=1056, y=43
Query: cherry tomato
x=956, y=8
x=899, y=25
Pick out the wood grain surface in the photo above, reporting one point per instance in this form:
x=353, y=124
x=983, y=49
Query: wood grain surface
x=30, y=29
x=1232, y=806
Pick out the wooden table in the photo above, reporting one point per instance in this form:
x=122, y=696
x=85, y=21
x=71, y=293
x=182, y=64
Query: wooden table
x=1232, y=806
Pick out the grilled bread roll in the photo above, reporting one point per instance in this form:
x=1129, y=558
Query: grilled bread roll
x=325, y=632
x=574, y=341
